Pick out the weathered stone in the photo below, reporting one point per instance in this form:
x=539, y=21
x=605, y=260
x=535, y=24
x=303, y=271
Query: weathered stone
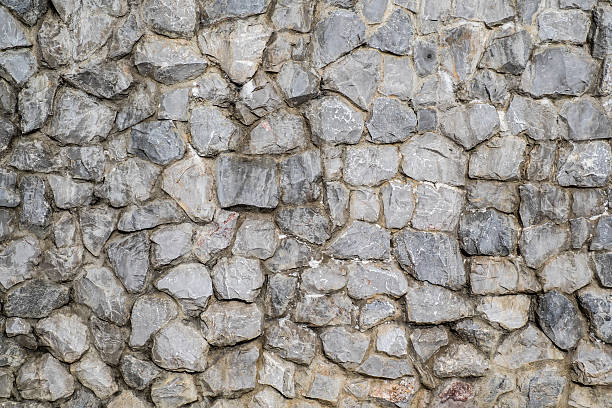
x=257, y=238
x=585, y=120
x=278, y=133
x=69, y=194
x=426, y=303
x=242, y=181
x=99, y=289
x=9, y=196
x=211, y=131
x=298, y=82
x=84, y=398
x=425, y=57
x=398, y=203
x=395, y=35
x=567, y=272
x=79, y=118
x=258, y=97
x=127, y=399
x=430, y=256
x=355, y=76
x=597, y=304
x=470, y=125
x=462, y=48
x=591, y=363
x=189, y=284
x=292, y=15
x=336, y=35
x=539, y=243
x=178, y=346
x=65, y=335
x=231, y=322
x=306, y=223
x=140, y=104
x=337, y=202
x=603, y=267
x=168, y=61
x=138, y=373
x=376, y=311
x=324, y=310
x=104, y=80
x=560, y=319
x=364, y=205
x=108, y=339
x=97, y=224
x=173, y=105
x=437, y=207
x=603, y=234
x=158, y=141
x=479, y=333
x=558, y=71
x=280, y=291
x=129, y=257
x=237, y=46
x=222, y=9
x=278, y=373
x=361, y=240
x=7, y=225
x=500, y=158
x=214, y=237
x=491, y=13
x=385, y=367
x=563, y=25
x=390, y=122
x=44, y=378
x=367, y=281
x=300, y=177
x=525, y=346
x=149, y=215
x=17, y=260
x=291, y=341
x=35, y=298
x=18, y=65
x=391, y=340
x=461, y=360
x=344, y=346
x=28, y=11
x=85, y=163
x=431, y=157
x=370, y=164
x=126, y=35
x=173, y=390
x=510, y=312
x=501, y=196
x=333, y=121
x=237, y=278
x=543, y=203
x=426, y=342
x=35, y=210
x=602, y=22
x=588, y=202
x=174, y=19
x=509, y=54
x=492, y=276
x=149, y=314
x=232, y=374
x=584, y=165
x=36, y=101
x=95, y=375
x=488, y=232
x=34, y=155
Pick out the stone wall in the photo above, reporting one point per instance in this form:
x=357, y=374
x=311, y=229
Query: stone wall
x=305, y=203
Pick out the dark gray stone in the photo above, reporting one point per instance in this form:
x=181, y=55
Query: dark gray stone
x=597, y=304
x=560, y=319
x=36, y=298
x=508, y=54
x=300, y=177
x=395, y=35
x=158, y=141
x=336, y=35
x=391, y=121
x=101, y=79
x=35, y=209
x=177, y=18
x=488, y=232
x=140, y=104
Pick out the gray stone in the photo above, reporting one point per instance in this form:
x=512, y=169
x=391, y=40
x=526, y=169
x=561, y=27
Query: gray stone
x=17, y=260
x=493, y=276
x=178, y=346
x=344, y=346
x=126, y=35
x=173, y=390
x=69, y=194
x=280, y=291
x=584, y=165
x=138, y=373
x=7, y=223
x=237, y=278
x=355, y=76
x=603, y=268
x=399, y=77
x=168, y=61
x=395, y=35
x=140, y=104
x=426, y=342
x=431, y=157
x=324, y=278
x=558, y=71
x=488, y=232
x=85, y=163
x=585, y=120
x=97, y=224
x=374, y=10
x=479, y=333
x=242, y=181
x=540, y=203
x=217, y=10
x=333, y=121
x=291, y=341
x=471, y=125
x=563, y=25
x=385, y=367
x=278, y=133
x=376, y=311
x=172, y=18
x=65, y=335
x=258, y=97
x=588, y=202
x=35, y=298
x=364, y=205
x=212, y=87
x=104, y=80
x=35, y=209
x=278, y=373
x=232, y=374
x=34, y=155
x=158, y=141
x=602, y=22
x=584, y=397
x=231, y=322
x=18, y=65
x=211, y=131
x=99, y=289
x=336, y=35
x=361, y=240
x=425, y=57
x=256, y=238
x=603, y=234
x=370, y=164
x=324, y=310
x=36, y=101
x=190, y=284
x=540, y=242
x=298, y=82
x=426, y=303
x=437, y=207
x=560, y=319
x=13, y=355
x=237, y=46
x=293, y=15
x=567, y=272
x=82, y=398
x=491, y=13
x=28, y=11
x=536, y=118
x=79, y=118
x=487, y=85
x=591, y=363
x=306, y=223
x=108, y=339
x=580, y=232
x=500, y=158
x=461, y=360
x=597, y=305
x=365, y=281
x=9, y=196
x=462, y=48
x=149, y=215
x=45, y=379
x=127, y=399
x=525, y=346
x=214, y=237
x=510, y=312
x=95, y=375
x=300, y=177
x=149, y=314
x=324, y=384
x=7, y=132
x=337, y=202
x=391, y=121
x=391, y=340
x=509, y=54
x=398, y=203
x=173, y=105
x=501, y=196
x=129, y=257
x=541, y=160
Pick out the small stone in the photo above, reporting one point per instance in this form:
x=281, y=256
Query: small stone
x=190, y=285
x=278, y=373
x=126, y=35
x=584, y=165
x=376, y=311
x=173, y=105
x=510, y=312
x=291, y=341
x=539, y=243
x=256, y=238
x=7, y=224
x=540, y=203
x=99, y=289
x=430, y=256
x=174, y=19
x=337, y=202
x=560, y=319
x=281, y=289
x=567, y=272
x=541, y=160
x=558, y=71
x=178, y=346
x=391, y=340
x=232, y=374
x=434, y=158
x=237, y=278
x=129, y=257
x=324, y=310
x=16, y=326
x=300, y=177
x=214, y=237
x=355, y=76
x=335, y=35
x=44, y=378
x=498, y=159
x=361, y=240
x=65, y=335
x=306, y=223
x=149, y=215
x=461, y=360
x=563, y=25
x=344, y=346
x=470, y=125
x=35, y=210
x=603, y=267
x=127, y=399
x=278, y=133
x=231, y=322
x=426, y=303
x=395, y=35
x=488, y=232
x=298, y=82
x=35, y=298
x=236, y=45
x=95, y=375
x=108, y=339
x=479, y=333
x=168, y=61
x=597, y=304
x=370, y=164
x=508, y=54
x=173, y=390
x=36, y=100
x=493, y=13
x=491, y=276
x=426, y=342
x=149, y=314
x=104, y=80
x=9, y=196
x=242, y=181
x=333, y=121
x=158, y=141
x=211, y=131
x=97, y=224
x=591, y=363
x=398, y=203
x=140, y=104
x=399, y=77
x=18, y=65
x=17, y=260
x=391, y=121
x=79, y=118
x=602, y=21
x=293, y=15
x=69, y=194
x=138, y=373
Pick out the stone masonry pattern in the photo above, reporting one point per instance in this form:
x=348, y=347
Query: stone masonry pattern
x=305, y=203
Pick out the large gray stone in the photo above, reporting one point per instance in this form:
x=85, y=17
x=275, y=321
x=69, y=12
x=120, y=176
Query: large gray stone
x=69, y=194
x=176, y=18
x=395, y=35
x=391, y=121
x=214, y=237
x=18, y=65
x=99, y=289
x=211, y=131
x=256, y=238
x=603, y=234
x=291, y=341
x=500, y=158
x=333, y=121
x=437, y=207
x=34, y=155
x=139, y=105
x=306, y=223
x=585, y=164
x=370, y=164
x=540, y=242
x=35, y=209
x=298, y=82
x=178, y=346
x=237, y=278
x=45, y=379
x=231, y=322
x=585, y=120
x=138, y=373
x=488, y=232
x=190, y=285
x=361, y=240
x=525, y=346
x=597, y=305
x=101, y=79
x=17, y=260
x=279, y=132
x=126, y=35
x=35, y=298
x=97, y=224
x=158, y=141
x=399, y=77
x=602, y=22
x=95, y=375
x=563, y=26
x=344, y=346
x=129, y=257
x=567, y=272
x=470, y=125
x=233, y=373
x=336, y=35
x=149, y=314
x=591, y=363
x=324, y=310
x=431, y=304
x=461, y=360
x=149, y=215
x=500, y=276
x=293, y=15
x=65, y=335
x=173, y=390
x=540, y=203
x=398, y=203
x=36, y=101
x=508, y=54
x=560, y=319
x=300, y=177
x=492, y=13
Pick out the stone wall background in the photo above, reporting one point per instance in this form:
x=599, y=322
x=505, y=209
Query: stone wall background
x=305, y=203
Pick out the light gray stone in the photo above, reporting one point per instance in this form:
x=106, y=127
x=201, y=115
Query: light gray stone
x=258, y=97
x=44, y=378
x=278, y=133
x=280, y=291
x=35, y=209
x=158, y=141
x=591, y=363
x=178, y=346
x=291, y=341
x=99, y=289
x=140, y=104
x=298, y=82
x=337, y=202
x=18, y=65
x=231, y=322
x=364, y=205
x=335, y=35
x=603, y=234
x=398, y=203
x=563, y=25
x=365, y=281
x=437, y=207
x=525, y=346
x=101, y=79
x=293, y=15
x=97, y=224
x=69, y=194
x=501, y=196
x=256, y=238
x=567, y=272
x=540, y=242
x=491, y=13
x=391, y=121
x=344, y=346
x=173, y=105
x=149, y=314
x=324, y=310
x=426, y=303
x=426, y=342
x=391, y=340
x=34, y=155
x=217, y=10
x=18, y=259
x=65, y=335
x=211, y=131
x=597, y=305
x=190, y=284
x=126, y=35
x=173, y=390
x=333, y=121
x=395, y=35
x=500, y=158
x=171, y=18
x=386, y=367
x=541, y=203
x=36, y=101
x=470, y=125
x=129, y=181
x=602, y=21
x=376, y=311
x=370, y=164
x=214, y=237
x=399, y=77
x=300, y=177
x=585, y=164
x=461, y=360
x=462, y=48
x=277, y=373
x=361, y=240
x=488, y=232
x=585, y=120
x=500, y=276
x=237, y=278
x=129, y=257
x=232, y=374
x=510, y=312
x=508, y=54
x=149, y=215
x=95, y=375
